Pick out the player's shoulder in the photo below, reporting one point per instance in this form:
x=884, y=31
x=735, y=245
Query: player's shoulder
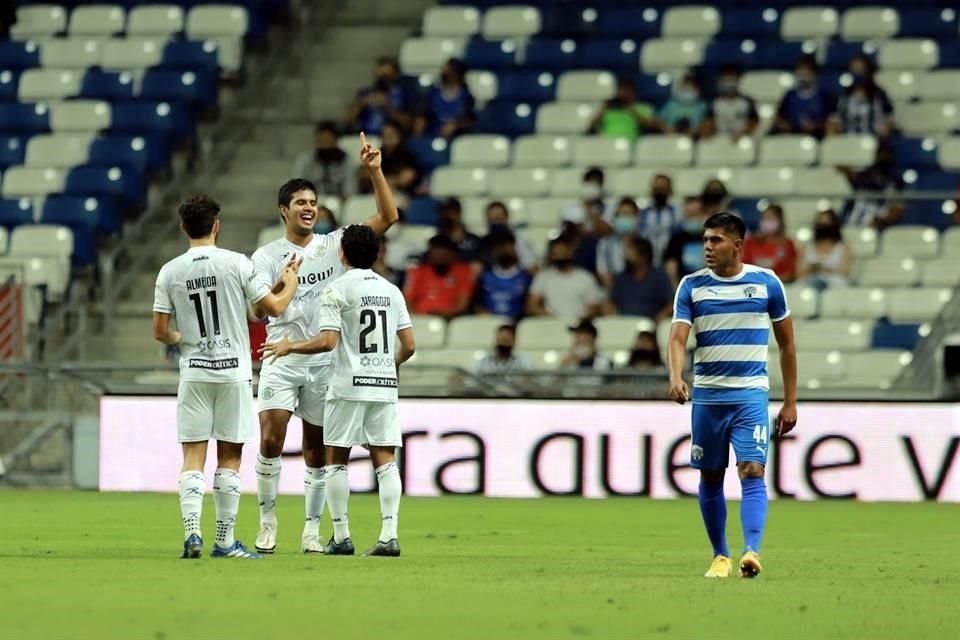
x=761, y=275
x=271, y=249
x=696, y=279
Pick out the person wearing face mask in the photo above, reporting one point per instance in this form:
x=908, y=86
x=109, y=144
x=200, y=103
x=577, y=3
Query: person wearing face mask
x=594, y=209
x=502, y=287
x=660, y=218
x=583, y=350
x=770, y=247
x=386, y=99
x=685, y=111
x=498, y=221
x=449, y=107
x=883, y=208
x=684, y=252
x=622, y=116
x=562, y=289
x=326, y=221
x=825, y=261
x=865, y=108
x=442, y=285
x=610, y=252
x=805, y=108
x=641, y=289
x=450, y=225
x=645, y=354
x=327, y=166
x=503, y=359
x=731, y=113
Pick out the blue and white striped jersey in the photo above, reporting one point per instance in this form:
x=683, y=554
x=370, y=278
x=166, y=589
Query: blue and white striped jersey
x=731, y=319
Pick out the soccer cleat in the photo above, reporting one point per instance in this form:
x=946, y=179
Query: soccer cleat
x=236, y=550
x=311, y=544
x=192, y=547
x=389, y=549
x=342, y=548
x=721, y=567
x=266, y=538
x=750, y=565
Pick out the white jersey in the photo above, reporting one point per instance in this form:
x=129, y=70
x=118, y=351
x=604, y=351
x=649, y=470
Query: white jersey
x=368, y=311
x=209, y=290
x=321, y=264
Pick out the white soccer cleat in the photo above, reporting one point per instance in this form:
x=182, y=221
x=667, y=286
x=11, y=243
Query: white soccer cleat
x=311, y=544
x=266, y=538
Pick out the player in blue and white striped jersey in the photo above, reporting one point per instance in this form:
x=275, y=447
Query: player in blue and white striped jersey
x=730, y=307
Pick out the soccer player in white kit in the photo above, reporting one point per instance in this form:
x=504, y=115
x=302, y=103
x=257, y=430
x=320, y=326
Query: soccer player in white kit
x=209, y=290
x=362, y=315
x=299, y=383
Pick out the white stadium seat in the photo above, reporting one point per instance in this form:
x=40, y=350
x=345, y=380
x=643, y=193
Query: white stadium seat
x=821, y=181
x=695, y=22
x=480, y=150
x=215, y=21
x=878, y=368
x=474, y=332
x=451, y=20
x=49, y=84
x=70, y=53
x=132, y=53
x=565, y=183
x=350, y=144
x=427, y=55
x=941, y=272
x=483, y=85
x=543, y=333
x=459, y=358
x=619, y=332
x=722, y=151
x=412, y=239
x=887, y=272
x=820, y=366
x=690, y=182
x=97, y=20
x=519, y=182
x=4, y=241
x=802, y=23
x=586, y=86
x=601, y=152
x=862, y=241
x=868, y=303
x=950, y=241
x=42, y=240
x=538, y=237
x=928, y=118
x=670, y=54
x=34, y=272
x=564, y=117
x=32, y=182
x=80, y=115
x=664, y=151
x=271, y=233
x=917, y=305
x=803, y=300
x=910, y=241
x=848, y=150
x=798, y=213
x=39, y=20
x=764, y=181
x=839, y=335
x=948, y=153
x=866, y=23
x=542, y=151
x=431, y=331
x=475, y=212
x=633, y=181
x=357, y=209
x=517, y=21
x=457, y=182
x=900, y=85
x=155, y=20
x=909, y=53
x=788, y=151
x=58, y=151
x=766, y=86
x=940, y=84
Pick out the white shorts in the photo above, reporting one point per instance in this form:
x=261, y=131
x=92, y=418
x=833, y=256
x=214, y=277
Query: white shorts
x=297, y=388
x=217, y=410
x=349, y=423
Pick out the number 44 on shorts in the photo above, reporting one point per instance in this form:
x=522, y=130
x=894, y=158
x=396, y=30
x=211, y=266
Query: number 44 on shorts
x=760, y=434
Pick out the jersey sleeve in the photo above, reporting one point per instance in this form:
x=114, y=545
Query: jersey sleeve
x=254, y=288
x=777, y=300
x=267, y=269
x=683, y=303
x=331, y=307
x=162, y=302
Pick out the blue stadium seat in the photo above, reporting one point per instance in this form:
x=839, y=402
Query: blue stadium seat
x=81, y=223
x=749, y=211
x=422, y=211
x=151, y=117
x=195, y=87
x=927, y=213
x=190, y=55
x=119, y=150
x=429, y=152
x=760, y=23
x=551, y=53
x=633, y=22
x=895, y=336
x=485, y=54
x=85, y=210
x=731, y=52
x=24, y=118
x=607, y=53
x=949, y=55
x=778, y=55
x=935, y=181
x=14, y=212
x=107, y=85
x=568, y=22
x=654, y=87
x=124, y=185
x=12, y=150
x=912, y=154
x=19, y=55
x=940, y=24
x=840, y=53
x=9, y=85
x=527, y=86
x=507, y=118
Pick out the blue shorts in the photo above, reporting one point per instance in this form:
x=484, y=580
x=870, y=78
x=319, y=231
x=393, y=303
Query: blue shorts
x=717, y=426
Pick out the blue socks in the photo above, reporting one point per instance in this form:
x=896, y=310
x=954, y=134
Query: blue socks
x=753, y=512
x=713, y=507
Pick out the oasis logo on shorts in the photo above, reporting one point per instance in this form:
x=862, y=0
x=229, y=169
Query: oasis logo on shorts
x=267, y=393
x=750, y=291
x=696, y=452
x=367, y=361
x=369, y=381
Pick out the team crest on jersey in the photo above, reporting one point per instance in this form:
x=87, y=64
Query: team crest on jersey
x=320, y=251
x=267, y=393
x=750, y=291
x=696, y=452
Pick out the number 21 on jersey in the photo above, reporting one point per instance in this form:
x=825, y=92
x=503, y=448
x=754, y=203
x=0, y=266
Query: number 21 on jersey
x=368, y=325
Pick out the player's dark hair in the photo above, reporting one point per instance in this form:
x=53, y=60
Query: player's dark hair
x=497, y=203
x=198, y=214
x=361, y=246
x=290, y=187
x=728, y=222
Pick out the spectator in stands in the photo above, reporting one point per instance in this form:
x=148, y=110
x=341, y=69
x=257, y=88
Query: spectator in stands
x=622, y=116
x=686, y=110
x=381, y=267
x=641, y=289
x=326, y=221
x=645, y=354
x=562, y=289
x=825, y=261
x=883, y=208
x=610, y=249
x=503, y=286
x=327, y=166
x=498, y=220
x=805, y=108
x=449, y=108
x=660, y=218
x=595, y=208
x=865, y=108
x=684, y=252
x=399, y=165
x=583, y=350
x=442, y=285
x=503, y=359
x=450, y=225
x=770, y=247
x=731, y=113
x=384, y=100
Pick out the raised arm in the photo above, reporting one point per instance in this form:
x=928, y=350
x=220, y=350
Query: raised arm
x=387, y=213
x=275, y=303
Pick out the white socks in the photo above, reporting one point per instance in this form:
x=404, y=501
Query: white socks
x=338, y=495
x=226, y=497
x=191, y=487
x=388, y=478
x=314, y=495
x=268, y=477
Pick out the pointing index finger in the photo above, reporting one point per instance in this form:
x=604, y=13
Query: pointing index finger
x=363, y=139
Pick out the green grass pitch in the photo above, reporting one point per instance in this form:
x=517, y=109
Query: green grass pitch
x=86, y=565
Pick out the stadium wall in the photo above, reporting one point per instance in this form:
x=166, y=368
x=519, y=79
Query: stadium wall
x=528, y=449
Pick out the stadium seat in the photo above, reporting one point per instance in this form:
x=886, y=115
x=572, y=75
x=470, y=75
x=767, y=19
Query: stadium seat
x=766, y=86
x=422, y=210
x=670, y=54
x=131, y=54
x=429, y=152
x=474, y=332
x=601, y=152
x=197, y=88
x=614, y=54
x=848, y=150
x=458, y=182
x=507, y=119
x=192, y=55
x=483, y=86
x=634, y=22
x=39, y=21
x=74, y=212
x=929, y=118
x=801, y=23
x=948, y=153
x=821, y=181
x=460, y=358
x=357, y=209
x=585, y=86
x=722, y=151
x=32, y=182
x=526, y=86
x=839, y=53
x=49, y=84
x=664, y=151
x=19, y=55
x=862, y=23
x=155, y=20
x=917, y=305
x=862, y=241
x=804, y=301
x=426, y=55
x=454, y=20
x=939, y=85
x=16, y=211
x=764, y=181
x=817, y=368
x=107, y=85
x=835, y=335
x=123, y=185
x=655, y=88
x=756, y=22
x=911, y=54
x=900, y=85
x=80, y=115
x=941, y=272
x=4, y=241
x=12, y=151
x=551, y=53
x=564, y=117
x=9, y=85
x=950, y=243
x=542, y=151
x=864, y=303
x=908, y=241
x=564, y=183
x=884, y=272
x=544, y=213
x=928, y=22
x=689, y=182
x=480, y=150
x=693, y=21
x=24, y=118
x=878, y=368
x=897, y=336
x=788, y=151
x=515, y=182
x=431, y=331
x=543, y=333
x=269, y=234
x=70, y=53
x=58, y=151
x=618, y=332
x=484, y=54
x=917, y=153
x=519, y=21
x=159, y=118
x=633, y=181
x=217, y=21
x=41, y=240
x=101, y=20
